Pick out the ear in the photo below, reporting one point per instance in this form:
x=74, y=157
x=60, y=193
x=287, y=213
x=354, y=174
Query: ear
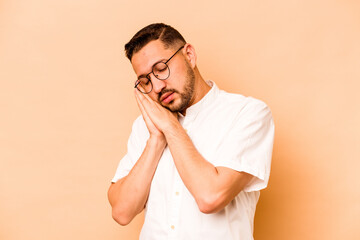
x=190, y=54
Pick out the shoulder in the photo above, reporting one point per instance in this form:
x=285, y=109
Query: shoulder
x=139, y=122
x=139, y=128
x=242, y=106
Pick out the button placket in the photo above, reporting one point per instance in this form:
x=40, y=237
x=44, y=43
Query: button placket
x=176, y=194
x=175, y=206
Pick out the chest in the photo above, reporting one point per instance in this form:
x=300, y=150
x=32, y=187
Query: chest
x=207, y=132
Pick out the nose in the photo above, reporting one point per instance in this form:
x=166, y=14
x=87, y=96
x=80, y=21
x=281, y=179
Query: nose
x=158, y=85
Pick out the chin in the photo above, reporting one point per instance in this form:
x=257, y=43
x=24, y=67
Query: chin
x=178, y=108
x=173, y=106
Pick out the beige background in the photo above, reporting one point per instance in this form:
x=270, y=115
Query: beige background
x=66, y=108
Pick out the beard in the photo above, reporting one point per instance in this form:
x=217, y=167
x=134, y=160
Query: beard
x=186, y=95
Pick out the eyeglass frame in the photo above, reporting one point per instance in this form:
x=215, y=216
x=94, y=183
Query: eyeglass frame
x=137, y=82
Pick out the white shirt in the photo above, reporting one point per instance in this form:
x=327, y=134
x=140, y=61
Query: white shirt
x=228, y=130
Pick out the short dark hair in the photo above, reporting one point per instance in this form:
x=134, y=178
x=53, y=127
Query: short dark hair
x=167, y=34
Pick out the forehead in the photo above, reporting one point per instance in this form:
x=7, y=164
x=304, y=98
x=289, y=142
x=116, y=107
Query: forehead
x=143, y=60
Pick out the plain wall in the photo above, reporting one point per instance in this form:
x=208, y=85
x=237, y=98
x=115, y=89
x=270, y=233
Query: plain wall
x=67, y=106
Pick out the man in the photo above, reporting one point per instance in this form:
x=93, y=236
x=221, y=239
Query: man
x=197, y=156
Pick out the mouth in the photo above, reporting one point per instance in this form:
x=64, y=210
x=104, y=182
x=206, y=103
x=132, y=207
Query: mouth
x=167, y=97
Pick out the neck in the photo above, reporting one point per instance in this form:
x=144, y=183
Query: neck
x=201, y=88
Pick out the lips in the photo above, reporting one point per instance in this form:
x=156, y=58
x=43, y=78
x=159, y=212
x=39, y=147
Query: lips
x=165, y=96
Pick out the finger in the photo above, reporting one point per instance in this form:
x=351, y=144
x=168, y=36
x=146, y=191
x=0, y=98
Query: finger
x=153, y=109
x=149, y=105
x=139, y=103
x=175, y=114
x=140, y=95
x=145, y=115
x=148, y=102
x=145, y=100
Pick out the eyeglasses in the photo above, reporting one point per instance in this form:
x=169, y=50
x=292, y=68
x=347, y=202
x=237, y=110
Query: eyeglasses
x=160, y=70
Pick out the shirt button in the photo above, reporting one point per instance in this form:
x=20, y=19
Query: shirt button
x=177, y=193
x=172, y=227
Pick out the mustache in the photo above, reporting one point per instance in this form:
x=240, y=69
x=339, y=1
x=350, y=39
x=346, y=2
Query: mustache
x=165, y=91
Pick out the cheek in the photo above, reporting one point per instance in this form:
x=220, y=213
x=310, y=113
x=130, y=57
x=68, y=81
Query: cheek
x=176, y=79
x=153, y=96
x=179, y=71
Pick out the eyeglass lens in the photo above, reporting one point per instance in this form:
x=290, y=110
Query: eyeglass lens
x=160, y=70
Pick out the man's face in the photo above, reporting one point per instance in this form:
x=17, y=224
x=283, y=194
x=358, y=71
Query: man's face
x=177, y=91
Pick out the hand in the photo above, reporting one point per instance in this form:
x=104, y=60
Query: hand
x=161, y=118
x=153, y=130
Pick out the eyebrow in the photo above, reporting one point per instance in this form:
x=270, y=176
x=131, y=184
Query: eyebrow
x=144, y=75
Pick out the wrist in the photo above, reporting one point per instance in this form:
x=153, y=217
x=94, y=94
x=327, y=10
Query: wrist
x=157, y=141
x=173, y=130
x=171, y=127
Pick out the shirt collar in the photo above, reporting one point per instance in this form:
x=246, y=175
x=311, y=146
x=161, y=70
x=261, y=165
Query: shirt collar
x=193, y=110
